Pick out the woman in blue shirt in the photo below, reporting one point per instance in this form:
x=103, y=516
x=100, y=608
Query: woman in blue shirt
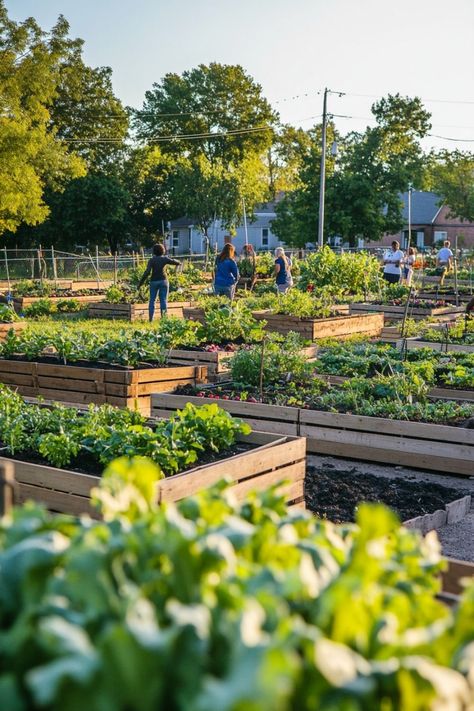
x=227, y=273
x=282, y=271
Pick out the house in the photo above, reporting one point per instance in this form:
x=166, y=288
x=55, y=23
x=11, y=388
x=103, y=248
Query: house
x=185, y=238
x=430, y=224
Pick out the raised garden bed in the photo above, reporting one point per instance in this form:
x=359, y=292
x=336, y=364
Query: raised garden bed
x=397, y=312
x=22, y=302
x=68, y=284
x=217, y=361
x=15, y=326
x=133, y=312
x=449, y=297
x=416, y=342
x=434, y=392
x=96, y=383
x=316, y=328
x=443, y=448
x=269, y=461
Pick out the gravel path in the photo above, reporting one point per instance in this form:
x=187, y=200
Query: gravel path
x=457, y=539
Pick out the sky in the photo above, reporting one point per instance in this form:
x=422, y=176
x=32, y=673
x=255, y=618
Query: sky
x=292, y=48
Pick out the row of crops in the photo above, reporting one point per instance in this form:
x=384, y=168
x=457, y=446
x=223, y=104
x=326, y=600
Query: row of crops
x=159, y=586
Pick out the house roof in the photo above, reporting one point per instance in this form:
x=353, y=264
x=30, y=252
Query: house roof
x=265, y=208
x=424, y=207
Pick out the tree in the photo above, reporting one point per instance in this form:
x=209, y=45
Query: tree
x=31, y=158
x=85, y=107
x=146, y=176
x=91, y=210
x=364, y=184
x=296, y=223
x=229, y=129
x=285, y=159
x=452, y=177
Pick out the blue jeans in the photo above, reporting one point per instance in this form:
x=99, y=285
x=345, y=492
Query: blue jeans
x=158, y=288
x=225, y=291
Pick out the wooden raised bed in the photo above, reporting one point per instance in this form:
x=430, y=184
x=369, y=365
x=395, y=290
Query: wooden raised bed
x=15, y=326
x=438, y=447
x=397, y=312
x=21, y=302
x=217, y=361
x=273, y=460
x=450, y=298
x=333, y=327
x=133, y=312
x=120, y=386
x=411, y=343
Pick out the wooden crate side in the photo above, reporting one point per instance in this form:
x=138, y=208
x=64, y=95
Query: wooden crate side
x=290, y=474
x=412, y=343
x=56, y=501
x=457, y=571
x=170, y=402
x=421, y=430
x=68, y=491
x=452, y=459
x=237, y=468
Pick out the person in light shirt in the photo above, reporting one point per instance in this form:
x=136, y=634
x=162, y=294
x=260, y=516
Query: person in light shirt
x=444, y=260
x=392, y=260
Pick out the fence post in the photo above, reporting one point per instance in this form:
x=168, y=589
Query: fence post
x=115, y=268
x=55, y=271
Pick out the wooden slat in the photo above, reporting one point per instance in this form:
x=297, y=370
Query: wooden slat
x=237, y=468
x=56, y=500
x=292, y=473
x=41, y=475
x=444, y=433
x=457, y=570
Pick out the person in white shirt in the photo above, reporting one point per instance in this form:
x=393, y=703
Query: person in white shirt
x=392, y=260
x=444, y=260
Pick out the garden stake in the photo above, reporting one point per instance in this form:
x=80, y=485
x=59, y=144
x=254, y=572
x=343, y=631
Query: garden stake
x=262, y=356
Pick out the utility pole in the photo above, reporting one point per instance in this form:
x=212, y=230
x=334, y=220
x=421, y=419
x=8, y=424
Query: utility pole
x=410, y=191
x=322, y=180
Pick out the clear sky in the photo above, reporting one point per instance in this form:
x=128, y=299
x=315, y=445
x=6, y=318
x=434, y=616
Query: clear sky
x=293, y=48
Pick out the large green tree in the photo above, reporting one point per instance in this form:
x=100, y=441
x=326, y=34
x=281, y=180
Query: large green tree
x=31, y=157
x=451, y=175
x=86, y=114
x=363, y=186
x=93, y=210
x=227, y=128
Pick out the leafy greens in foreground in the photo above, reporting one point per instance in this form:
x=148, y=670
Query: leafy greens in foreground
x=216, y=606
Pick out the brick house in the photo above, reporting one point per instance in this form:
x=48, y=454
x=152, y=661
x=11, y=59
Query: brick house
x=430, y=224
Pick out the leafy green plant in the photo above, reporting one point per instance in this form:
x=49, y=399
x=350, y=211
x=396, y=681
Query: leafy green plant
x=275, y=360
x=352, y=273
x=216, y=605
x=62, y=435
x=7, y=314
x=43, y=307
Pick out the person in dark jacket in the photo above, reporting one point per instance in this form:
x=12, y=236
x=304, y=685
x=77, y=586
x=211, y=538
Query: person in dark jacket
x=227, y=273
x=159, y=285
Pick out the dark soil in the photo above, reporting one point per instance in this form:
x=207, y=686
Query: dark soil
x=87, y=464
x=98, y=365
x=335, y=494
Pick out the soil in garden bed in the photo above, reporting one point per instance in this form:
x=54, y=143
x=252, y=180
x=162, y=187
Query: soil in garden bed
x=99, y=365
x=335, y=495
x=87, y=464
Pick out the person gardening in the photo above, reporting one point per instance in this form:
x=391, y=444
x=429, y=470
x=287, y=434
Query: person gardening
x=159, y=285
x=226, y=272
x=444, y=261
x=283, y=276
x=392, y=260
